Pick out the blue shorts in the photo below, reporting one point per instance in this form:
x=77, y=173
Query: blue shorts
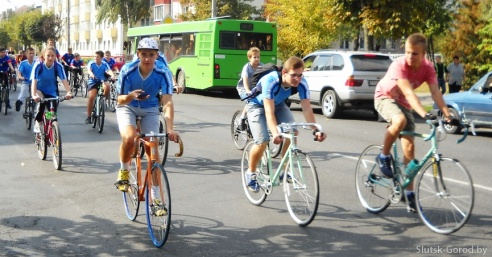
x=258, y=124
x=127, y=116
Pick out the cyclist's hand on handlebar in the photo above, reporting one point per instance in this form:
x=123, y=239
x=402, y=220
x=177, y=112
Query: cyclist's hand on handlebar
x=36, y=98
x=453, y=122
x=68, y=96
x=173, y=136
x=319, y=136
x=277, y=139
x=430, y=116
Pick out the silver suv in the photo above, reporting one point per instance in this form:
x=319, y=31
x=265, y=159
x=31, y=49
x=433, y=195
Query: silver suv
x=341, y=80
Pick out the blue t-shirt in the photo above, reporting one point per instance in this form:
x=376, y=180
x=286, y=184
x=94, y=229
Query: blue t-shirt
x=76, y=63
x=46, y=77
x=25, y=68
x=98, y=70
x=271, y=89
x=158, y=81
x=68, y=58
x=111, y=62
x=4, y=63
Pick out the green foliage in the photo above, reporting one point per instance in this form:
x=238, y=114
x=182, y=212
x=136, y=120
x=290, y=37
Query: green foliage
x=485, y=34
x=302, y=27
x=130, y=11
x=240, y=10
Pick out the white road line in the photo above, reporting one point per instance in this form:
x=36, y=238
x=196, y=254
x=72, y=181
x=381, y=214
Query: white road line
x=331, y=155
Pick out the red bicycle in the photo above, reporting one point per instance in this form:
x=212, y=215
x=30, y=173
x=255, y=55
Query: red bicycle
x=50, y=132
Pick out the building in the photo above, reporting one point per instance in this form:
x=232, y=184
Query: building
x=83, y=33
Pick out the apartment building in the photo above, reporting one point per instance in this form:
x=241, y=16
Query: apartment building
x=82, y=32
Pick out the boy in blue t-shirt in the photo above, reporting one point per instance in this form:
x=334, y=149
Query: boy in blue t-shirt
x=96, y=70
x=24, y=75
x=5, y=64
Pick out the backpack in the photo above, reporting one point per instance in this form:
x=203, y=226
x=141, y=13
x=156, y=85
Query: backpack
x=259, y=73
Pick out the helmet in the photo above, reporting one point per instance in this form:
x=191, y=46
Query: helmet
x=148, y=43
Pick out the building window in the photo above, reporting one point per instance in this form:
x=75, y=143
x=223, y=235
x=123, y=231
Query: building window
x=145, y=22
x=158, y=12
x=393, y=44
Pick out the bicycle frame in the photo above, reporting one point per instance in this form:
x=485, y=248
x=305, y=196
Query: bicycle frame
x=48, y=117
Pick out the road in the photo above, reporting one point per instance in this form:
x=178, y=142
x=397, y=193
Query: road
x=78, y=212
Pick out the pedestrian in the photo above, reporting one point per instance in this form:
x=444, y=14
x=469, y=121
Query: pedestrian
x=441, y=70
x=455, y=75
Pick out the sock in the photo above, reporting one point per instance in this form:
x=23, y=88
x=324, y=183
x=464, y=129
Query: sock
x=384, y=156
x=154, y=192
x=124, y=166
x=408, y=192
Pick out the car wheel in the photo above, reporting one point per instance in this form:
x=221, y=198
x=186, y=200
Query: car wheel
x=330, y=106
x=450, y=129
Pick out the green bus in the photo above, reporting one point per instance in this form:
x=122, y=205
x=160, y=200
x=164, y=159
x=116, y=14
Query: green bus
x=209, y=54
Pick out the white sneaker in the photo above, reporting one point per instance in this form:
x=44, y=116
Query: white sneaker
x=36, y=128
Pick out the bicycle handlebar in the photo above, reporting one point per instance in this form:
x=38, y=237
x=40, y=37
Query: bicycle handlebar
x=59, y=99
x=285, y=127
x=152, y=134
x=440, y=124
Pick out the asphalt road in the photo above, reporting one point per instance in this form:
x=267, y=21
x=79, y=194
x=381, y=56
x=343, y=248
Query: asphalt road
x=78, y=212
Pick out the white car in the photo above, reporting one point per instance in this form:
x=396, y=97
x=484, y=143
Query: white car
x=340, y=80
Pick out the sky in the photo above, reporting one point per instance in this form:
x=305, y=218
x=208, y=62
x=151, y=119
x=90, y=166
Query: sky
x=13, y=4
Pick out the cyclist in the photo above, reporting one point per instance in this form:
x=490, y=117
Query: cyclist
x=162, y=59
x=51, y=43
x=110, y=61
x=66, y=59
x=269, y=109
x=24, y=75
x=96, y=70
x=77, y=64
x=395, y=98
x=44, y=82
x=243, y=86
x=138, y=85
x=5, y=64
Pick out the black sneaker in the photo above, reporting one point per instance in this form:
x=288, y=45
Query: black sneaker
x=18, y=105
x=88, y=120
x=385, y=165
x=411, y=202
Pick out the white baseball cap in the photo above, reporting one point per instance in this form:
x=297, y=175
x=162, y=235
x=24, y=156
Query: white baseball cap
x=148, y=43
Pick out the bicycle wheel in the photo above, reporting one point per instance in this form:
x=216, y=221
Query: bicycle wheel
x=94, y=115
x=239, y=136
x=83, y=87
x=444, y=195
x=302, y=195
x=112, y=99
x=74, y=86
x=163, y=141
x=56, y=143
x=158, y=205
x=262, y=172
x=41, y=145
x=5, y=100
x=28, y=112
x=101, y=115
x=373, y=190
x=1, y=99
x=130, y=198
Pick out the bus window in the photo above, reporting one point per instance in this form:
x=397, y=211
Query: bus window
x=245, y=40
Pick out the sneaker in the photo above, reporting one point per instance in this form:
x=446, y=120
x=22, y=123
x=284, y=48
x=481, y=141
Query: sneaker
x=157, y=208
x=411, y=202
x=122, y=182
x=18, y=105
x=37, y=127
x=385, y=165
x=88, y=120
x=252, y=184
x=289, y=178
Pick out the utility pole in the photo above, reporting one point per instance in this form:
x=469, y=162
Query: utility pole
x=214, y=8
x=68, y=24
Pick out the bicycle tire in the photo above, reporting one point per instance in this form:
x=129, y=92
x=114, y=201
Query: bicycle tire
x=302, y=194
x=256, y=198
x=1, y=99
x=6, y=100
x=74, y=86
x=94, y=115
x=158, y=226
x=101, y=115
x=373, y=190
x=28, y=112
x=130, y=198
x=239, y=136
x=40, y=139
x=83, y=87
x=163, y=141
x=112, y=99
x=444, y=211
x=56, y=144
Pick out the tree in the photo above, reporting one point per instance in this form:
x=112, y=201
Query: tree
x=235, y=9
x=302, y=27
x=485, y=34
x=130, y=11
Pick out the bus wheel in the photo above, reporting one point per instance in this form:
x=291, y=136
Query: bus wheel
x=182, y=81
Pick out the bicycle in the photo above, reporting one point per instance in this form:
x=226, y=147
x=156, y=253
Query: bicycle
x=163, y=144
x=241, y=135
x=4, y=96
x=28, y=114
x=98, y=111
x=77, y=82
x=50, y=133
x=444, y=192
x=153, y=188
x=13, y=80
x=302, y=191
x=113, y=96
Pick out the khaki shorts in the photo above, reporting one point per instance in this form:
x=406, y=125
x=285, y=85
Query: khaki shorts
x=388, y=108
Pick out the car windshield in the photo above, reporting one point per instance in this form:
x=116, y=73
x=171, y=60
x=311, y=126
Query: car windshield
x=370, y=62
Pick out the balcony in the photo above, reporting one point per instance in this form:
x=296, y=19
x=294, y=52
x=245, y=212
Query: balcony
x=87, y=35
x=114, y=32
x=75, y=36
x=87, y=16
x=99, y=34
x=75, y=19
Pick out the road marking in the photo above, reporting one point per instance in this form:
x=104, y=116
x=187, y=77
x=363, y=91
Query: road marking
x=333, y=155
